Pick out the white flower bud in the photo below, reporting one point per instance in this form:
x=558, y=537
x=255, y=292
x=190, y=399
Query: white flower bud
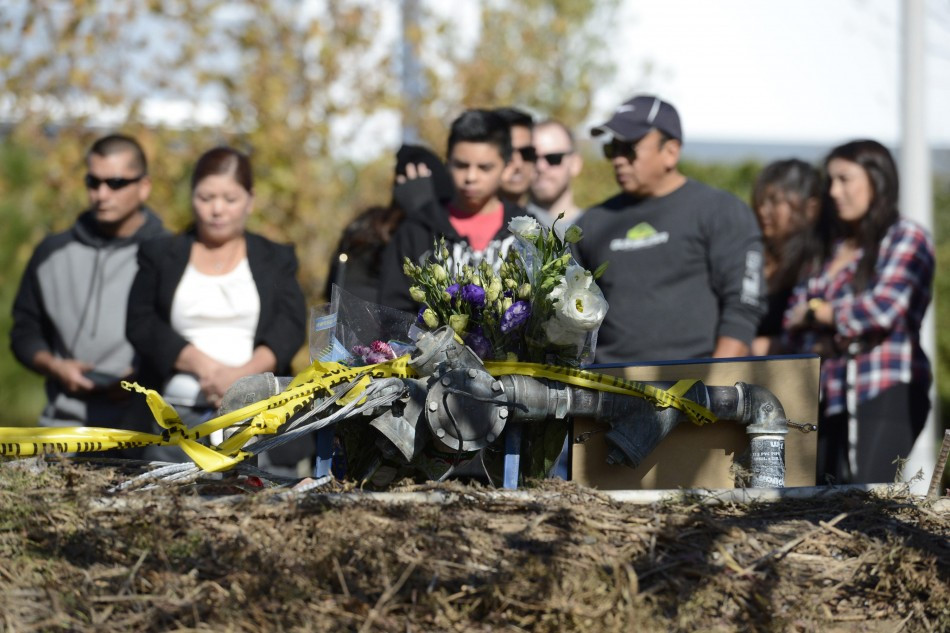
x=573, y=234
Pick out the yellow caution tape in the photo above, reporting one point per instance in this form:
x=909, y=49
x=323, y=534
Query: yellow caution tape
x=671, y=397
x=267, y=416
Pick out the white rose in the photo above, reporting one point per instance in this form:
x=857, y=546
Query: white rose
x=525, y=226
x=582, y=309
x=557, y=293
x=578, y=277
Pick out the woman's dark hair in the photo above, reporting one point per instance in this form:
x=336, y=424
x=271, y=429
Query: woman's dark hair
x=371, y=230
x=224, y=160
x=797, y=253
x=879, y=165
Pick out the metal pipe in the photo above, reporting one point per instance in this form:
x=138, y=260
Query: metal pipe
x=767, y=427
x=467, y=409
x=637, y=426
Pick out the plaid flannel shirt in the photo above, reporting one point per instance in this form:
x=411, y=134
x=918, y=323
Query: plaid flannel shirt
x=880, y=327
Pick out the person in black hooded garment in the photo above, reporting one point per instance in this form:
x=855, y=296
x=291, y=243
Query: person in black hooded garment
x=355, y=266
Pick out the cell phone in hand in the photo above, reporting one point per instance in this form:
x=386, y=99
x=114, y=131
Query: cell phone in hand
x=102, y=379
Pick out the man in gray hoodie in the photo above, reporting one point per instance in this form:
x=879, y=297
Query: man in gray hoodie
x=69, y=313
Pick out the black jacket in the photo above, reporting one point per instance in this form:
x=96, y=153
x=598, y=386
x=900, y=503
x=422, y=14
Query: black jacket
x=415, y=238
x=282, y=325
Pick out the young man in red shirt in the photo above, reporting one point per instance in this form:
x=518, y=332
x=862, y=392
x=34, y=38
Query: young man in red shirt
x=474, y=223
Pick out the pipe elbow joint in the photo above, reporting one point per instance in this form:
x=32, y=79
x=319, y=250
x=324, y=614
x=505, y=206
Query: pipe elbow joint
x=762, y=411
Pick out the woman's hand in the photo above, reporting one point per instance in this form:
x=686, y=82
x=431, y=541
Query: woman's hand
x=215, y=377
x=216, y=382
x=798, y=317
x=817, y=313
x=414, y=171
x=212, y=375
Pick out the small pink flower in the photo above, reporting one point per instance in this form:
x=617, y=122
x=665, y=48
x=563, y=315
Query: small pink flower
x=381, y=347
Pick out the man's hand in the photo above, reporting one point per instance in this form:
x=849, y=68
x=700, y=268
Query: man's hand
x=728, y=347
x=69, y=373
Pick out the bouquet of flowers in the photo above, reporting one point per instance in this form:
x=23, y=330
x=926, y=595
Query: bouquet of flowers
x=540, y=306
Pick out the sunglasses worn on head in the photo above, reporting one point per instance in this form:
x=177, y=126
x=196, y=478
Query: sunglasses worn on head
x=554, y=158
x=527, y=153
x=92, y=182
x=624, y=149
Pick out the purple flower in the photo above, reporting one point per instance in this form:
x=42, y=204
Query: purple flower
x=452, y=290
x=515, y=316
x=479, y=345
x=376, y=357
x=474, y=294
x=419, y=319
x=361, y=350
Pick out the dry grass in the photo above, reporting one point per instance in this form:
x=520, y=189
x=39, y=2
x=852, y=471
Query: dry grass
x=74, y=558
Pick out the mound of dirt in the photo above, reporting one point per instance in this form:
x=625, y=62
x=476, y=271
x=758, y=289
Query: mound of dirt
x=560, y=557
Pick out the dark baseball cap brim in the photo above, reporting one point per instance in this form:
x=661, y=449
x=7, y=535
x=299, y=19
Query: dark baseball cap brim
x=637, y=116
x=622, y=130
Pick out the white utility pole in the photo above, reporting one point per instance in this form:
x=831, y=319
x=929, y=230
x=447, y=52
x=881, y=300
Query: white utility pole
x=916, y=201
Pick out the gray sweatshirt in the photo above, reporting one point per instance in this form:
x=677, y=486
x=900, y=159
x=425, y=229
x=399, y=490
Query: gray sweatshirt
x=72, y=302
x=685, y=269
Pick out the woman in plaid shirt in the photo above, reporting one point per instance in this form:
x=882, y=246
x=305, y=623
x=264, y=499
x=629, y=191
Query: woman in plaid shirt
x=862, y=310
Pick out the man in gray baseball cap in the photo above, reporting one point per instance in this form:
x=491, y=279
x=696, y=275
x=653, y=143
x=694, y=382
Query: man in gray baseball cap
x=685, y=274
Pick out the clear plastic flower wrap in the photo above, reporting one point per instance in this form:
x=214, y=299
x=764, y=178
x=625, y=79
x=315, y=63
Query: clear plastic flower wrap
x=353, y=331
x=538, y=306
x=567, y=305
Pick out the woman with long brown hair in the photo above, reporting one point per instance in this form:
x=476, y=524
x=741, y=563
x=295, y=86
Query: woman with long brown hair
x=786, y=200
x=862, y=312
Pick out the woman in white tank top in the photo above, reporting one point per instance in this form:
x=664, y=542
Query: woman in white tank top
x=217, y=302
x=216, y=305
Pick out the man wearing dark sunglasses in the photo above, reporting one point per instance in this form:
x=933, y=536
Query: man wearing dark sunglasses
x=69, y=312
x=519, y=173
x=685, y=274
x=557, y=165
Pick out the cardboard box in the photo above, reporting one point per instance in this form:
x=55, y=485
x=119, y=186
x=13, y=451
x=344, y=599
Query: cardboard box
x=702, y=457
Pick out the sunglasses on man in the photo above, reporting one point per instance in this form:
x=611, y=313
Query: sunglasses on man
x=528, y=153
x=92, y=182
x=623, y=149
x=554, y=158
